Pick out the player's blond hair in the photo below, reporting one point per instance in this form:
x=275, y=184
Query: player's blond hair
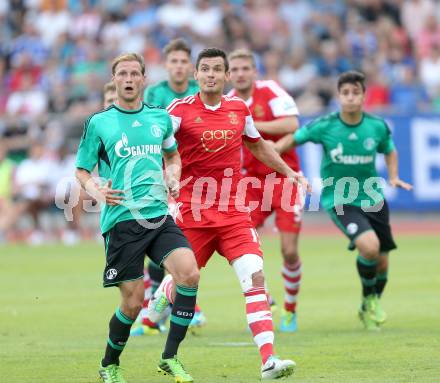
x=109, y=87
x=242, y=54
x=128, y=57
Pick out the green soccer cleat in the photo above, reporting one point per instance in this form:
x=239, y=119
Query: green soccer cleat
x=288, y=322
x=381, y=316
x=174, y=368
x=367, y=313
x=111, y=374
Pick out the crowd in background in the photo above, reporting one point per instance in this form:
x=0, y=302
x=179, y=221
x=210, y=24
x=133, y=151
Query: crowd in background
x=55, y=56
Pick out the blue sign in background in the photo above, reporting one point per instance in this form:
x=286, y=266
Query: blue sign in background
x=417, y=139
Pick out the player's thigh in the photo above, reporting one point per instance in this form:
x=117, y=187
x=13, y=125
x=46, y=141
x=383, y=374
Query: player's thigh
x=203, y=242
x=354, y=223
x=259, y=209
x=288, y=207
x=132, y=293
x=238, y=239
x=125, y=246
x=171, y=249
x=380, y=222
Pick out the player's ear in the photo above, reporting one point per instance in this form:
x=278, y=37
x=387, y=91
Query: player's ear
x=227, y=75
x=195, y=75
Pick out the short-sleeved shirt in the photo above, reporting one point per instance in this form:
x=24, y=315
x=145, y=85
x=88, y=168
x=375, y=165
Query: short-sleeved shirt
x=349, y=156
x=161, y=94
x=127, y=146
x=267, y=103
x=210, y=141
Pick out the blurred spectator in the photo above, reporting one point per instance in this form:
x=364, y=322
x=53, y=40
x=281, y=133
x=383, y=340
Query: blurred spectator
x=176, y=14
x=9, y=211
x=208, y=19
x=295, y=74
x=430, y=72
x=28, y=102
x=34, y=187
x=428, y=36
x=52, y=21
x=408, y=94
x=414, y=14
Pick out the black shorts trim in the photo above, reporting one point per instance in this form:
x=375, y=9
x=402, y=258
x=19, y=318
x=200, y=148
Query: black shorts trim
x=355, y=221
x=128, y=242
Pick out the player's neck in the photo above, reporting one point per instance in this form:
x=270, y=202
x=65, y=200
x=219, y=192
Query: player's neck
x=178, y=88
x=351, y=118
x=244, y=94
x=211, y=99
x=128, y=105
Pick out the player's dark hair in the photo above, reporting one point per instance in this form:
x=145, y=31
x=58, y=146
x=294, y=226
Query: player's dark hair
x=176, y=45
x=351, y=77
x=212, y=52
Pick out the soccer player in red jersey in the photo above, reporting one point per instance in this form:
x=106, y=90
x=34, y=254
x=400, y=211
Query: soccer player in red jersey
x=275, y=114
x=211, y=129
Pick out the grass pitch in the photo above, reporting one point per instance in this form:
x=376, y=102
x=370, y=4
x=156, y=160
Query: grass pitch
x=54, y=316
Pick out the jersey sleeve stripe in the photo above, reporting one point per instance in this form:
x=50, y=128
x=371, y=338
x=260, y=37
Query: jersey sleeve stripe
x=250, y=131
x=169, y=142
x=273, y=86
x=186, y=100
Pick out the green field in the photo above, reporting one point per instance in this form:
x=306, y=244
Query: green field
x=54, y=316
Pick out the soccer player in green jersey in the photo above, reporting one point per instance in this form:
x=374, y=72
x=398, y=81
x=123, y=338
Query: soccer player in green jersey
x=128, y=142
x=179, y=67
x=352, y=192
x=177, y=54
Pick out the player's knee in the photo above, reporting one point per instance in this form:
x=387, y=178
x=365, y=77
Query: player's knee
x=132, y=307
x=258, y=279
x=368, y=245
x=370, y=250
x=290, y=254
x=249, y=270
x=189, y=277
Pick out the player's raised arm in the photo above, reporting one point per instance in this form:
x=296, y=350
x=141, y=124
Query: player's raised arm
x=281, y=125
x=392, y=162
x=268, y=156
x=285, y=143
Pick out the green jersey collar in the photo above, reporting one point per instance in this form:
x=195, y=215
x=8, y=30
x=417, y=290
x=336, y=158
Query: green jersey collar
x=129, y=111
x=351, y=125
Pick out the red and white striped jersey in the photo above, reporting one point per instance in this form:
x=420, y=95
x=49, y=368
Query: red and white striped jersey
x=268, y=102
x=210, y=141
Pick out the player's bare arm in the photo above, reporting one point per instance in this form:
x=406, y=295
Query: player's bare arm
x=282, y=125
x=173, y=171
x=102, y=193
x=285, y=143
x=392, y=162
x=268, y=156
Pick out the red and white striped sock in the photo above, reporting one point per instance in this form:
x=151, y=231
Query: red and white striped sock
x=292, y=280
x=147, y=296
x=167, y=287
x=259, y=318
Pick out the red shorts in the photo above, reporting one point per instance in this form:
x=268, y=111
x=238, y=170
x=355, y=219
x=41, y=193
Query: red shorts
x=230, y=241
x=284, y=202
